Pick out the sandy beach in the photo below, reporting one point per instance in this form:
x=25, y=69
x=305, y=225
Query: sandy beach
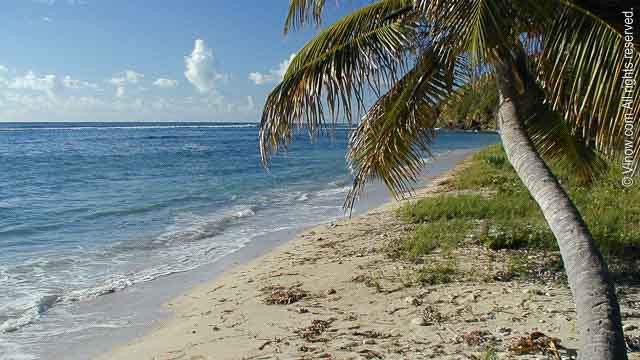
x=333, y=292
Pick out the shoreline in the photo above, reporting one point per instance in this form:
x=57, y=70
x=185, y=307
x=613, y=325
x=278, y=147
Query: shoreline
x=376, y=199
x=333, y=292
x=126, y=264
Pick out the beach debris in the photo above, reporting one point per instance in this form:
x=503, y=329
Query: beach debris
x=302, y=310
x=372, y=334
x=413, y=301
x=280, y=295
x=264, y=345
x=432, y=315
x=370, y=354
x=633, y=342
x=629, y=328
x=304, y=348
x=351, y=317
x=536, y=342
x=313, y=332
x=476, y=338
x=331, y=291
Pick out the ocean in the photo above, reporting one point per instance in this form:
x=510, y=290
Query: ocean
x=93, y=209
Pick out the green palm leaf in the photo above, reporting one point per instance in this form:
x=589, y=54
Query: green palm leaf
x=365, y=50
x=581, y=68
x=555, y=141
x=552, y=136
x=301, y=11
x=394, y=136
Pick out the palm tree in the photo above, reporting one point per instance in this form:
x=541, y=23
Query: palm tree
x=558, y=68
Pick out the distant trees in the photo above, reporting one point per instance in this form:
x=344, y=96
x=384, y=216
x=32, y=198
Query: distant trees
x=473, y=107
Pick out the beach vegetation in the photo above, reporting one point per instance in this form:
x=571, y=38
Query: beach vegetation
x=487, y=192
x=489, y=353
x=437, y=272
x=440, y=234
x=559, y=99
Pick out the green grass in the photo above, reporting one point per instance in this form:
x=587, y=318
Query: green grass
x=435, y=273
x=443, y=234
x=489, y=353
x=445, y=208
x=495, y=195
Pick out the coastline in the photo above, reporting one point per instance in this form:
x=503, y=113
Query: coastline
x=333, y=292
x=377, y=199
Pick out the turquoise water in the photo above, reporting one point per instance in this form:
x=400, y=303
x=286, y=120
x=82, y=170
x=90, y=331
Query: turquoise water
x=92, y=209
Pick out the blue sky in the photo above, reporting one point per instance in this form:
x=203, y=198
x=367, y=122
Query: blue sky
x=143, y=60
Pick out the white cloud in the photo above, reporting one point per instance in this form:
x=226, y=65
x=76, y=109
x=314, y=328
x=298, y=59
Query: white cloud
x=46, y=19
x=133, y=77
x=71, y=83
x=30, y=81
x=165, y=83
x=258, y=78
x=19, y=105
x=127, y=76
x=200, y=68
x=3, y=69
x=124, y=78
x=274, y=75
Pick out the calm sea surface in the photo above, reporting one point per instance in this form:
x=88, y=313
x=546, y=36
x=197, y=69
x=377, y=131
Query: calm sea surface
x=93, y=208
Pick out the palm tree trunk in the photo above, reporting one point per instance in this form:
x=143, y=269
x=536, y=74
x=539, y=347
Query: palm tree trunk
x=598, y=313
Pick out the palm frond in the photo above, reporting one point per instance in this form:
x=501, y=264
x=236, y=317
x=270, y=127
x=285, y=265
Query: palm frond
x=365, y=50
x=582, y=68
x=394, y=136
x=358, y=24
x=302, y=11
x=551, y=135
x=475, y=27
x=555, y=142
